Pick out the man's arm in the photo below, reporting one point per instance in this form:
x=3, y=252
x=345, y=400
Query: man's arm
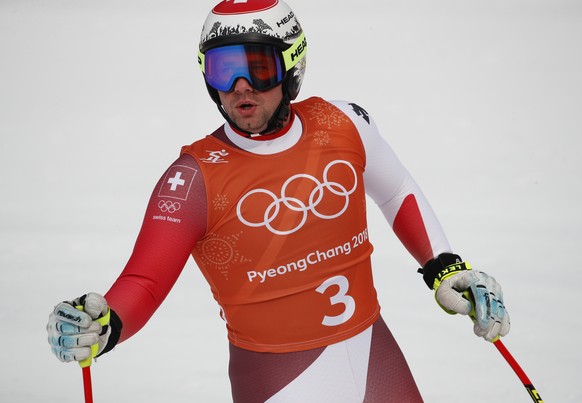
x=394, y=190
x=458, y=289
x=174, y=221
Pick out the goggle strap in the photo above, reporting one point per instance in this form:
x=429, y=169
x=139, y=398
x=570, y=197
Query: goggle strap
x=201, y=60
x=295, y=53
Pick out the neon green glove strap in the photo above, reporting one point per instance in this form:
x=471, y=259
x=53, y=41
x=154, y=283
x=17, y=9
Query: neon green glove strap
x=448, y=271
x=103, y=321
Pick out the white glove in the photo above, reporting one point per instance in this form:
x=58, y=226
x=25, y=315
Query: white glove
x=79, y=329
x=474, y=293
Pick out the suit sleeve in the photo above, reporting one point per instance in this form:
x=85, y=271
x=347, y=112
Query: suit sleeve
x=174, y=221
x=394, y=190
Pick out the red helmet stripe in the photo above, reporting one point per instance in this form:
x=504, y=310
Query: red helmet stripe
x=229, y=7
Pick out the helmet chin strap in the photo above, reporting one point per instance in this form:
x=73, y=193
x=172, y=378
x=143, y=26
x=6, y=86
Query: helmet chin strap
x=276, y=122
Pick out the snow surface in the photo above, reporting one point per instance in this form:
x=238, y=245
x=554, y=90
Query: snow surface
x=480, y=98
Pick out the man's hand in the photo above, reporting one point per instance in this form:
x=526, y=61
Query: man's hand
x=79, y=329
x=478, y=295
x=459, y=289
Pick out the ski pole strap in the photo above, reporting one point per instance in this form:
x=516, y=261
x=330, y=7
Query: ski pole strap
x=115, y=325
x=441, y=267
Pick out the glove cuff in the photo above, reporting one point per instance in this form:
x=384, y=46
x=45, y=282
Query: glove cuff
x=435, y=270
x=116, y=326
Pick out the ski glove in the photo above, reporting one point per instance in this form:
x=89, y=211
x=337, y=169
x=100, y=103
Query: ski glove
x=459, y=289
x=80, y=329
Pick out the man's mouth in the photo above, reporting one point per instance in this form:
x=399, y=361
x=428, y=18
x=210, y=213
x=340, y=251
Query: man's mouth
x=246, y=108
x=245, y=105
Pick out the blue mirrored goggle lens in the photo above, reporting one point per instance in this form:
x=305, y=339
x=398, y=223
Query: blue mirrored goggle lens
x=260, y=65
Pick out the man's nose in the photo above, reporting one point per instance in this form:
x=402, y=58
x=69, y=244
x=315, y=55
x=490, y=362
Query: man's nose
x=242, y=85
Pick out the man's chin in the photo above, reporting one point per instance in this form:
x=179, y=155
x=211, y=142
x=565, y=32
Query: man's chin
x=250, y=126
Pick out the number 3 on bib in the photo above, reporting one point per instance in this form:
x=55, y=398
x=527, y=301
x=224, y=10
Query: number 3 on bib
x=341, y=297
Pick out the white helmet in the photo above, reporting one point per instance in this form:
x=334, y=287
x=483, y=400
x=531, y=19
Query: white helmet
x=258, y=22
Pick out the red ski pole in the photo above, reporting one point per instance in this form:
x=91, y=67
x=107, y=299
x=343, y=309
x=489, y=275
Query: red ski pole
x=87, y=387
x=86, y=363
x=508, y=357
x=86, y=368
x=518, y=371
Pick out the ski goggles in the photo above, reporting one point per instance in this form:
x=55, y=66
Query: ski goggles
x=263, y=66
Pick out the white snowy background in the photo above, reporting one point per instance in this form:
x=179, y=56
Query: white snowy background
x=481, y=99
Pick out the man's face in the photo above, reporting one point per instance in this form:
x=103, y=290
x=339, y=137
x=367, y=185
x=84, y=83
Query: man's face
x=248, y=108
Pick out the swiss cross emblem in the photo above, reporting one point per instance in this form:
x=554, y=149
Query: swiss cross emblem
x=177, y=182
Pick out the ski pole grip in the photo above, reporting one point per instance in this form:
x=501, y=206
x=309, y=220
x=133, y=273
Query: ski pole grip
x=103, y=321
x=472, y=314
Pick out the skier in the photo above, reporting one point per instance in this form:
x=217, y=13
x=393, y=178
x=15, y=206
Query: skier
x=272, y=208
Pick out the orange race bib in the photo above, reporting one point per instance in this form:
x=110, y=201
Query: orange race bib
x=287, y=253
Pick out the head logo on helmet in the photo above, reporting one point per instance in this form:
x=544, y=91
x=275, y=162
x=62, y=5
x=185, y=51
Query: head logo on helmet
x=260, y=22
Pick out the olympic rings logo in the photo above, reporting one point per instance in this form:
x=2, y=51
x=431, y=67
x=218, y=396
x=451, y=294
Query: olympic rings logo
x=295, y=204
x=168, y=206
